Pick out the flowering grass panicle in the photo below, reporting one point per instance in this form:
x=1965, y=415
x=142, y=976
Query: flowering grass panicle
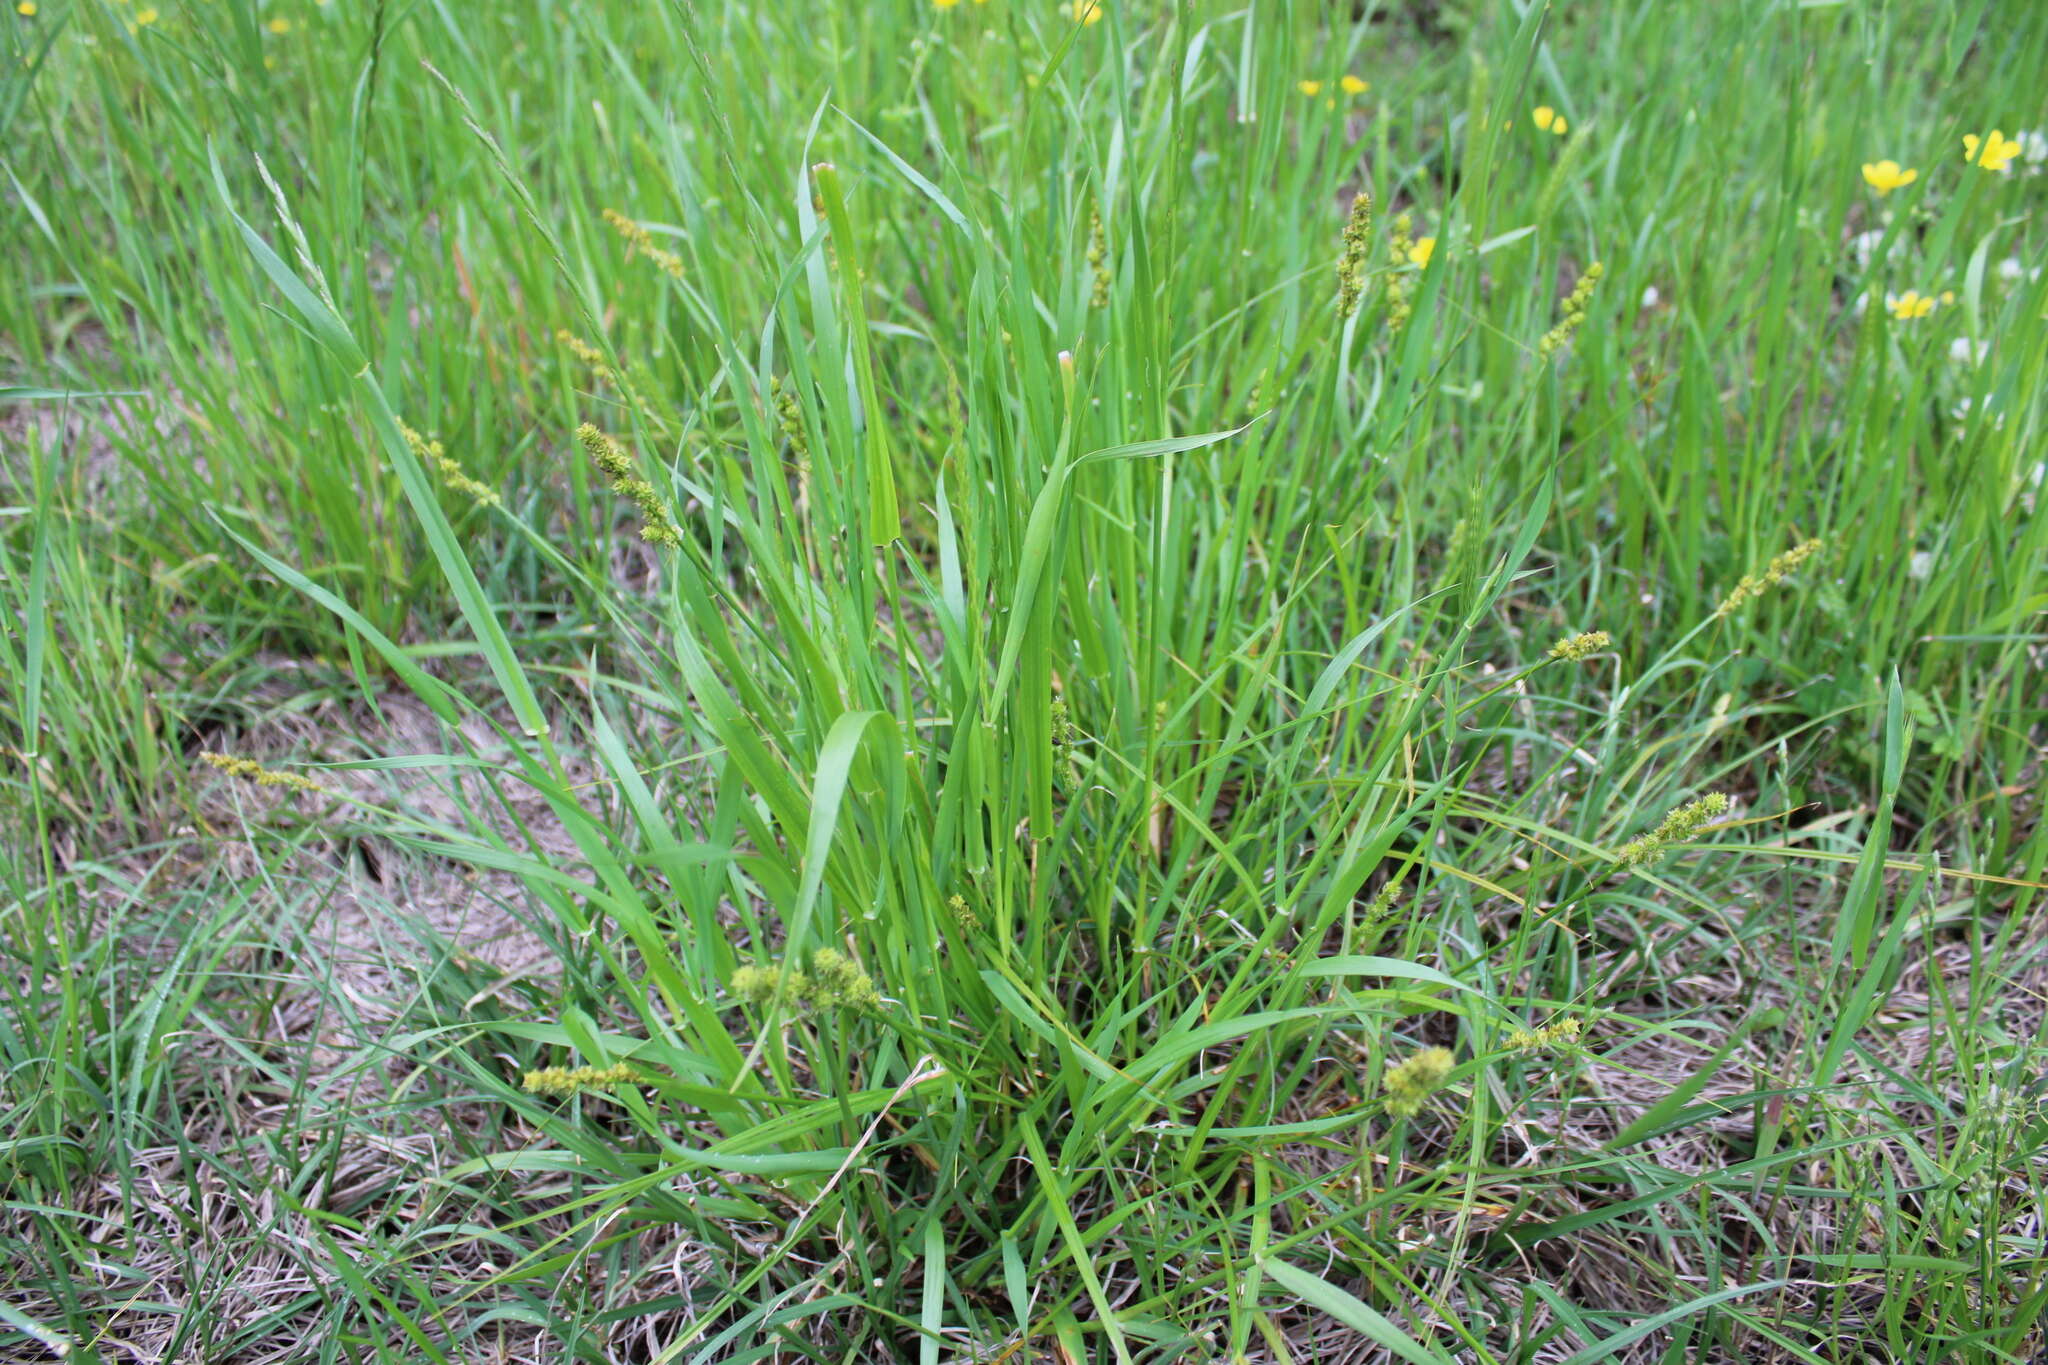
x=1681, y=824
x=249, y=770
x=834, y=981
x=1351, y=266
x=1410, y=1084
x=656, y=526
x=564, y=1082
x=433, y=454
x=1574, y=312
x=1754, y=586
x=1098, y=261
x=639, y=242
x=1065, y=736
x=1560, y=1036
x=1584, y=645
x=1402, y=247
x=1382, y=906
x=585, y=352
x=789, y=415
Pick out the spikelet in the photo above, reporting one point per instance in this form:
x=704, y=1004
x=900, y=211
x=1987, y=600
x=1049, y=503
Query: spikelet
x=837, y=982
x=435, y=456
x=1098, y=262
x=1574, y=312
x=1351, y=266
x=1410, y=1084
x=1584, y=645
x=249, y=770
x=1401, y=246
x=834, y=981
x=1754, y=586
x=790, y=416
x=1561, y=1036
x=656, y=526
x=1681, y=824
x=584, y=352
x=640, y=243
x=1065, y=735
x=1382, y=906
x=563, y=1082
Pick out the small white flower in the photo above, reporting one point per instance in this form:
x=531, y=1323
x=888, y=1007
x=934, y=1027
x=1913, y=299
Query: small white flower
x=1921, y=565
x=1961, y=414
x=1863, y=245
x=2034, y=147
x=1964, y=351
x=1651, y=298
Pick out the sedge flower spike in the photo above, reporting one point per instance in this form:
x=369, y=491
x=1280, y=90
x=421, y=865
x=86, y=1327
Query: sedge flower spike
x=563, y=1082
x=656, y=526
x=1410, y=1084
x=1562, y=1036
x=1886, y=176
x=1401, y=247
x=1681, y=824
x=1584, y=645
x=1574, y=312
x=1351, y=266
x=1754, y=586
x=249, y=770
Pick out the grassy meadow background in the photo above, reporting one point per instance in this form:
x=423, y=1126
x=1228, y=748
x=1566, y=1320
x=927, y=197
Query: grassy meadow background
x=880, y=681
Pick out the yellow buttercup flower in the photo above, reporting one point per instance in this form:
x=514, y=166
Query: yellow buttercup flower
x=1424, y=248
x=279, y=25
x=26, y=9
x=1994, y=151
x=1309, y=87
x=145, y=16
x=1911, y=304
x=1085, y=12
x=1549, y=120
x=1353, y=85
x=1886, y=176
x=944, y=4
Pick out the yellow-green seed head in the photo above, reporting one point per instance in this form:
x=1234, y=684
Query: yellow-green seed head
x=1581, y=646
x=838, y=982
x=1410, y=1084
x=249, y=770
x=1679, y=825
x=1561, y=1036
x=562, y=1082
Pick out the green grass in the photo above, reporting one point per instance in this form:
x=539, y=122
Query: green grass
x=1134, y=670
